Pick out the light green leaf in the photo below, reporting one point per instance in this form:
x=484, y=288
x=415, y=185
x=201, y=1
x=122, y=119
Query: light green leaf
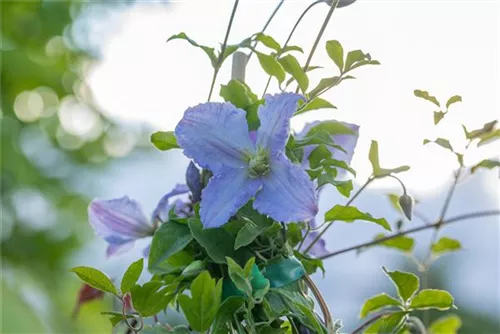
x=374, y=160
x=445, y=245
x=268, y=41
x=292, y=67
x=444, y=143
x=152, y=297
x=175, y=263
x=449, y=324
x=290, y=48
x=338, y=163
x=377, y=303
x=271, y=66
x=453, y=99
x=164, y=140
x=350, y=213
x=239, y=276
x=95, y=278
x=323, y=84
x=438, y=116
x=426, y=96
x=314, y=104
x=209, y=51
x=486, y=163
x=387, y=324
x=336, y=53
x=169, y=239
x=354, y=57
x=402, y=243
x=194, y=268
x=132, y=275
x=116, y=317
x=238, y=93
x=432, y=298
x=250, y=231
x=200, y=309
x=489, y=137
x=406, y=283
x=343, y=187
x=364, y=62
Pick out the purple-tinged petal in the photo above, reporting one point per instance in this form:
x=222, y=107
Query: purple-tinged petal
x=274, y=118
x=225, y=193
x=181, y=208
x=319, y=248
x=193, y=181
x=162, y=209
x=215, y=135
x=145, y=251
x=287, y=194
x=118, y=220
x=253, y=136
x=116, y=249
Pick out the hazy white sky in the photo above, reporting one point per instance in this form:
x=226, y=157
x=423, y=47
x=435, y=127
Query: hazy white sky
x=446, y=47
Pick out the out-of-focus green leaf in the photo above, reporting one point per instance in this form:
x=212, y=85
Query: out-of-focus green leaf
x=449, y=324
x=132, y=275
x=349, y=214
x=453, y=99
x=209, y=51
x=426, y=96
x=432, y=298
x=406, y=283
x=390, y=323
x=402, y=243
x=444, y=143
x=95, y=278
x=377, y=303
x=151, y=298
x=374, y=160
x=164, y=140
x=292, y=67
x=445, y=245
x=486, y=163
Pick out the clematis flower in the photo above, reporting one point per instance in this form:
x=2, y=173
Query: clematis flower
x=347, y=141
x=319, y=248
x=120, y=222
x=216, y=137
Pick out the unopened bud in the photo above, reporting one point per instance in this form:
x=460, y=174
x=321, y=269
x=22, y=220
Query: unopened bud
x=406, y=203
x=342, y=3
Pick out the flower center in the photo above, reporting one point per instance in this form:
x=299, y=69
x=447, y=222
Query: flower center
x=258, y=165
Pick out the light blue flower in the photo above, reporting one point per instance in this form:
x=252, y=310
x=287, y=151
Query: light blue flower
x=120, y=222
x=216, y=137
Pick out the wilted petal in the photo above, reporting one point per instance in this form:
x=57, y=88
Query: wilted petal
x=287, y=193
x=274, y=118
x=319, y=248
x=118, y=221
x=225, y=193
x=193, y=181
x=162, y=209
x=214, y=135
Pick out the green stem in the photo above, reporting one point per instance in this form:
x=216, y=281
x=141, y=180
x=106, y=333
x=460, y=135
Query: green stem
x=223, y=49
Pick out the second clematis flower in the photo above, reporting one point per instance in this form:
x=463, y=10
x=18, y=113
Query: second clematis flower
x=216, y=137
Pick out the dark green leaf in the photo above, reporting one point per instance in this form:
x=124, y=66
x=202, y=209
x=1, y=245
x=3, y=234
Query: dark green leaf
x=336, y=53
x=349, y=214
x=292, y=67
x=486, y=163
x=449, y=324
x=169, y=239
x=294, y=234
x=175, y=263
x=132, y=275
x=271, y=66
x=432, y=298
x=95, y=278
x=200, y=309
x=338, y=163
x=249, y=232
x=406, y=283
x=240, y=278
x=311, y=265
x=151, y=298
x=161, y=329
x=164, y=140
x=343, y=187
x=228, y=308
x=445, y=245
x=402, y=243
x=209, y=51
x=453, y=99
x=314, y=104
x=238, y=93
x=377, y=303
x=116, y=317
x=425, y=95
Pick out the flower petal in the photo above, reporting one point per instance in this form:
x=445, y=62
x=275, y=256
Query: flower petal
x=287, y=193
x=118, y=220
x=214, y=134
x=319, y=248
x=161, y=211
x=274, y=118
x=115, y=249
x=225, y=193
x=193, y=181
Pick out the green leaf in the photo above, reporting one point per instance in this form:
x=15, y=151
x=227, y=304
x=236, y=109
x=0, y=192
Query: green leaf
x=426, y=96
x=387, y=324
x=354, y=57
x=95, y=278
x=364, y=62
x=284, y=272
x=438, y=116
x=311, y=265
x=406, y=283
x=338, y=163
x=324, y=84
x=224, y=317
x=486, y=163
x=402, y=243
x=200, y=309
x=444, y=143
x=164, y=140
x=289, y=48
x=132, y=275
x=194, y=268
x=449, y=324
x=377, y=303
x=116, y=317
x=169, y=239
x=209, y=51
x=240, y=278
x=268, y=41
x=343, y=187
x=432, y=298
x=292, y=67
x=175, y=263
x=294, y=234
x=314, y=104
x=336, y=53
x=238, y=93
x=453, y=99
x=445, y=245
x=271, y=66
x=250, y=231
x=350, y=213
x=151, y=298
x=161, y=329
x=489, y=137
x=374, y=160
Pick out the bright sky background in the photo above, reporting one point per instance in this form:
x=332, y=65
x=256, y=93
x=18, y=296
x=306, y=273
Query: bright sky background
x=445, y=47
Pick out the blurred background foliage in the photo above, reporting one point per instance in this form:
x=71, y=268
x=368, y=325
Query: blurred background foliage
x=53, y=133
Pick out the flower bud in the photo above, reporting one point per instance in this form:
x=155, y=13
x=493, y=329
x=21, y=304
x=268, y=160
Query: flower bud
x=342, y=3
x=406, y=203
